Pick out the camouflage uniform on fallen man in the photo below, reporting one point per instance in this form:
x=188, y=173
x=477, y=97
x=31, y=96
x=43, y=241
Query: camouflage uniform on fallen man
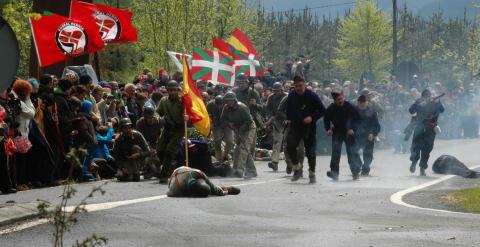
x=190, y=182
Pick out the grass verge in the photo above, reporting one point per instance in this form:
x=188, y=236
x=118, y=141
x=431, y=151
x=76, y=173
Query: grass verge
x=466, y=199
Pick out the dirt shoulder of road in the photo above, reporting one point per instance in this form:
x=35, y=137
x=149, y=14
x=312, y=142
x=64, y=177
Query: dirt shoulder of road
x=442, y=196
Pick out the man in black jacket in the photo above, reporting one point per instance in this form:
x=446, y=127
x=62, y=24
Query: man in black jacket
x=366, y=133
x=304, y=108
x=345, y=120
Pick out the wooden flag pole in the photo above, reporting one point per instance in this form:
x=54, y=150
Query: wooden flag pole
x=186, y=138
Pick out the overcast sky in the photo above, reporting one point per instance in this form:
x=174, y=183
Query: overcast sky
x=334, y=7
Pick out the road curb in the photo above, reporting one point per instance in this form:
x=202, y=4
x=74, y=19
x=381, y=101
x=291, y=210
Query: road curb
x=397, y=198
x=11, y=213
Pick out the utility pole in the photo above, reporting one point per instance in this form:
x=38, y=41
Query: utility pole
x=394, y=36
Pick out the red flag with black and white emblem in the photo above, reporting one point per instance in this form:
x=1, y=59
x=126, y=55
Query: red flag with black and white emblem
x=57, y=38
x=115, y=25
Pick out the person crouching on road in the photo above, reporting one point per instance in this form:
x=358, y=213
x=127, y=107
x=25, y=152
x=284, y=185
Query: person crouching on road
x=129, y=150
x=304, y=108
x=237, y=116
x=345, y=119
x=190, y=182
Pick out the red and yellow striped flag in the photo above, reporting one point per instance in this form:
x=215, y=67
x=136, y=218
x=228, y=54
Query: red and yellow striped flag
x=240, y=42
x=193, y=102
x=221, y=46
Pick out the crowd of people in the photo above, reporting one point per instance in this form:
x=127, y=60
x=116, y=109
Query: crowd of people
x=71, y=128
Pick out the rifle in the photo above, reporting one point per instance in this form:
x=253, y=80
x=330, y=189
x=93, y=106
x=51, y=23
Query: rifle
x=430, y=108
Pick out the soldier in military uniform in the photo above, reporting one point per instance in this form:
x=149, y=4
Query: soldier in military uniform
x=186, y=181
x=170, y=110
x=282, y=113
x=275, y=122
x=130, y=150
x=238, y=118
x=221, y=132
x=242, y=92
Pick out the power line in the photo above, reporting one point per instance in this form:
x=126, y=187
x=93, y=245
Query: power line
x=309, y=8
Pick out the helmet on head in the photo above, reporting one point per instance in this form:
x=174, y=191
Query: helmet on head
x=218, y=100
x=148, y=111
x=241, y=77
x=199, y=188
x=229, y=96
x=365, y=92
x=277, y=86
x=125, y=122
x=426, y=93
x=172, y=85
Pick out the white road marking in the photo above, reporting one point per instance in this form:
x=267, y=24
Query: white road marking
x=106, y=206
x=23, y=226
x=397, y=198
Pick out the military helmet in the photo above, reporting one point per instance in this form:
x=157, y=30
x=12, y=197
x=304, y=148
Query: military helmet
x=218, y=100
x=125, y=122
x=199, y=188
x=365, y=92
x=172, y=84
x=426, y=93
x=277, y=86
x=229, y=96
x=148, y=111
x=241, y=77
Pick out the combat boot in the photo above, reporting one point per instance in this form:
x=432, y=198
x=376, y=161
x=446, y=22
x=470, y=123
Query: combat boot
x=289, y=170
x=413, y=167
x=232, y=190
x=311, y=176
x=297, y=173
x=163, y=180
x=273, y=165
x=422, y=172
x=332, y=175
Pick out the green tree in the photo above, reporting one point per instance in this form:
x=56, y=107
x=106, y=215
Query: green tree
x=473, y=52
x=364, y=42
x=176, y=25
x=444, y=64
x=16, y=13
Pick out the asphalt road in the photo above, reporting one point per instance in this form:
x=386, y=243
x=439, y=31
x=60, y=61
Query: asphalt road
x=272, y=211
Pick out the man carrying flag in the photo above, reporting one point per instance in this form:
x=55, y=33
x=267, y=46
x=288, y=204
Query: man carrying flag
x=174, y=112
x=170, y=110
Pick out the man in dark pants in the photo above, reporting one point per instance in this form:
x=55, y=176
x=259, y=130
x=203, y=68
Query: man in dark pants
x=366, y=133
x=426, y=111
x=304, y=108
x=345, y=119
